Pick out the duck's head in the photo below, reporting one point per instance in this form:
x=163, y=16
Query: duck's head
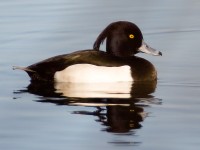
x=123, y=39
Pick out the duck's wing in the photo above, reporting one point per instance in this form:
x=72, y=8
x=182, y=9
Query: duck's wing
x=46, y=69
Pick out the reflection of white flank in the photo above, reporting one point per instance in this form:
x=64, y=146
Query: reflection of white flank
x=87, y=73
x=95, y=90
x=98, y=104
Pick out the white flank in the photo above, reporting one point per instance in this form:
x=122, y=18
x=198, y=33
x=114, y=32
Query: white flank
x=87, y=73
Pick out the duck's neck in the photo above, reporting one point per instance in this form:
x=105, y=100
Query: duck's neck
x=115, y=48
x=119, y=52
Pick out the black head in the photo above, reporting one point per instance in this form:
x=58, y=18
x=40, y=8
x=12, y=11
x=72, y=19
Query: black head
x=122, y=39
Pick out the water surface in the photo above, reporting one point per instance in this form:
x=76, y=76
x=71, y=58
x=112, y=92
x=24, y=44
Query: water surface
x=162, y=115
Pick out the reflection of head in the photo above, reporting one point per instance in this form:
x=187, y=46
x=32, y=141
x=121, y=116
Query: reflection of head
x=118, y=115
x=122, y=119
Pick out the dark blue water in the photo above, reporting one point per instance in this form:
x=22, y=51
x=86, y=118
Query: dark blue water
x=162, y=115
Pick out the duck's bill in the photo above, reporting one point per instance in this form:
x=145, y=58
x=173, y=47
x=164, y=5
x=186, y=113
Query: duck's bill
x=148, y=50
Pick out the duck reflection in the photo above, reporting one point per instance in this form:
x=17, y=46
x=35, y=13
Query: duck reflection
x=118, y=107
x=120, y=119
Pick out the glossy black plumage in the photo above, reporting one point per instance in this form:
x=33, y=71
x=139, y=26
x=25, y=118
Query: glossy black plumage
x=117, y=38
x=123, y=40
x=45, y=70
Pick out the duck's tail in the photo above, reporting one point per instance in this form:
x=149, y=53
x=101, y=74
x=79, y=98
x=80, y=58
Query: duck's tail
x=23, y=68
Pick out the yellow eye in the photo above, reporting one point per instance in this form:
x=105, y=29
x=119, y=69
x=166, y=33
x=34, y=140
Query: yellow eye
x=131, y=36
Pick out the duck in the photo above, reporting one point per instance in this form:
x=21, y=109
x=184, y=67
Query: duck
x=118, y=63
